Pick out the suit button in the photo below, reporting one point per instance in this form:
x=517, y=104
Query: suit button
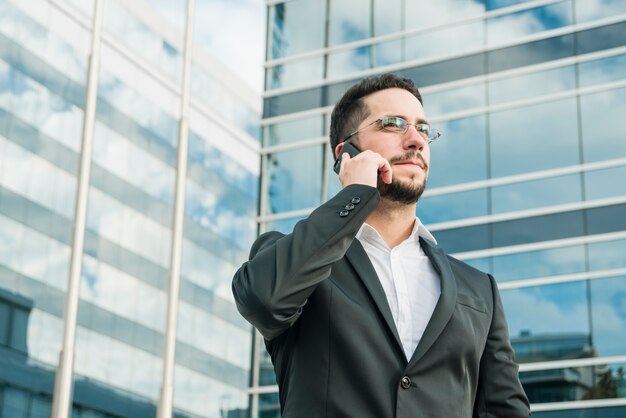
x=344, y=213
x=405, y=382
x=349, y=206
x=356, y=200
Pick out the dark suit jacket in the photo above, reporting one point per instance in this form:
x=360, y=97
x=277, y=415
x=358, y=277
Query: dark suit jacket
x=316, y=299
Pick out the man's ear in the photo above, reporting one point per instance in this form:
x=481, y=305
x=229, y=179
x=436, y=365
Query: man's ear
x=338, y=149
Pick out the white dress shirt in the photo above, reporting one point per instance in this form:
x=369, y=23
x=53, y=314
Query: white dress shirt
x=410, y=281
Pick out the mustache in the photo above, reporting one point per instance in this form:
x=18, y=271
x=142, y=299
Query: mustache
x=411, y=155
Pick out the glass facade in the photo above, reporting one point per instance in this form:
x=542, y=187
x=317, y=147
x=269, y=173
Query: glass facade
x=527, y=182
x=44, y=49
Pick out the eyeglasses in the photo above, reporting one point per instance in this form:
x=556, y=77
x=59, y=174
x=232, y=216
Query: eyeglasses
x=399, y=125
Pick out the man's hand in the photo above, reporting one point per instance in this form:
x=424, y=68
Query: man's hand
x=364, y=169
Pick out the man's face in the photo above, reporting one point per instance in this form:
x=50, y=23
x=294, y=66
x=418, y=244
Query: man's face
x=408, y=153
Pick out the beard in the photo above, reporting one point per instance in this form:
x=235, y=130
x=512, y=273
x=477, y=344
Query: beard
x=400, y=191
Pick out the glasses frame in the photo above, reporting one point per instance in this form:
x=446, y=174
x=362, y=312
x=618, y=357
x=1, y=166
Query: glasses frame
x=380, y=120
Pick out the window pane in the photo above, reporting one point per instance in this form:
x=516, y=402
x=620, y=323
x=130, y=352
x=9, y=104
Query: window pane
x=612, y=412
x=453, y=100
x=605, y=183
x=508, y=27
x=452, y=206
x=459, y=156
x=557, y=326
x=602, y=71
x=592, y=10
x=539, y=263
x=285, y=226
x=606, y=219
x=294, y=130
x=426, y=13
x=601, y=114
x=388, y=16
x=538, y=228
x=536, y=193
x=19, y=329
x=14, y=403
x=446, y=41
x=295, y=179
x=346, y=62
x=295, y=73
x=296, y=27
x=608, y=298
x=607, y=255
x=496, y=4
x=464, y=239
x=573, y=383
x=531, y=85
x=533, y=138
x=530, y=53
x=4, y=322
x=349, y=21
x=387, y=53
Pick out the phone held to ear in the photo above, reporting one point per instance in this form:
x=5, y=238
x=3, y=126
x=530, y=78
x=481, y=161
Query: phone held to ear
x=350, y=149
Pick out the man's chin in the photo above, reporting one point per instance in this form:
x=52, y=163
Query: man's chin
x=401, y=192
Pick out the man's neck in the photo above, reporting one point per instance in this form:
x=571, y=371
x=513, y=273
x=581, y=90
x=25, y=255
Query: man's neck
x=393, y=221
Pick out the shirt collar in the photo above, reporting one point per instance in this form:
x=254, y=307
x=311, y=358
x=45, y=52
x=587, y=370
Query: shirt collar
x=419, y=230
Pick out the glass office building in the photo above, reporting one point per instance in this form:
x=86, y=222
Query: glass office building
x=528, y=181
x=44, y=49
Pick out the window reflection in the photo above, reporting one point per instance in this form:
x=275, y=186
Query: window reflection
x=542, y=263
x=600, y=115
x=452, y=206
x=349, y=21
x=557, y=326
x=446, y=41
x=456, y=99
x=533, y=138
x=283, y=225
x=608, y=314
x=592, y=10
x=423, y=13
x=294, y=130
x=142, y=39
x=605, y=183
x=531, y=85
x=602, y=71
x=574, y=383
x=346, y=62
x=384, y=21
x=460, y=156
x=36, y=105
x=607, y=255
x=296, y=27
x=296, y=73
x=505, y=28
x=536, y=193
x=295, y=179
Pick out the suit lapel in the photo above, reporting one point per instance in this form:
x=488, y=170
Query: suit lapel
x=366, y=272
x=446, y=304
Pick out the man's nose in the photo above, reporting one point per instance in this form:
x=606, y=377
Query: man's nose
x=413, y=139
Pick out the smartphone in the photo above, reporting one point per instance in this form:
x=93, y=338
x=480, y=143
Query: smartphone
x=352, y=150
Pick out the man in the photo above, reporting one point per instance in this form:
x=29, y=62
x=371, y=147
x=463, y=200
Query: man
x=363, y=315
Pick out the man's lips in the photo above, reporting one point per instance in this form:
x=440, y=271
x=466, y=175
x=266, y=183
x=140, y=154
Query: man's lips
x=411, y=163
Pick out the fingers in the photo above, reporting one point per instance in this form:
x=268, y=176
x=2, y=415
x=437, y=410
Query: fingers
x=364, y=169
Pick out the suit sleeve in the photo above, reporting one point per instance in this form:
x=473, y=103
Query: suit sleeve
x=272, y=287
x=500, y=393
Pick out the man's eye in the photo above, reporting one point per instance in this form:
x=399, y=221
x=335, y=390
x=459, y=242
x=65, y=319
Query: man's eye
x=423, y=128
x=391, y=122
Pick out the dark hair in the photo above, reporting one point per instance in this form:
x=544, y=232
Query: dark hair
x=350, y=110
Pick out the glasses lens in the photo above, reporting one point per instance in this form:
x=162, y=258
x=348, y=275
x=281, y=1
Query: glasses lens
x=433, y=134
x=394, y=124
